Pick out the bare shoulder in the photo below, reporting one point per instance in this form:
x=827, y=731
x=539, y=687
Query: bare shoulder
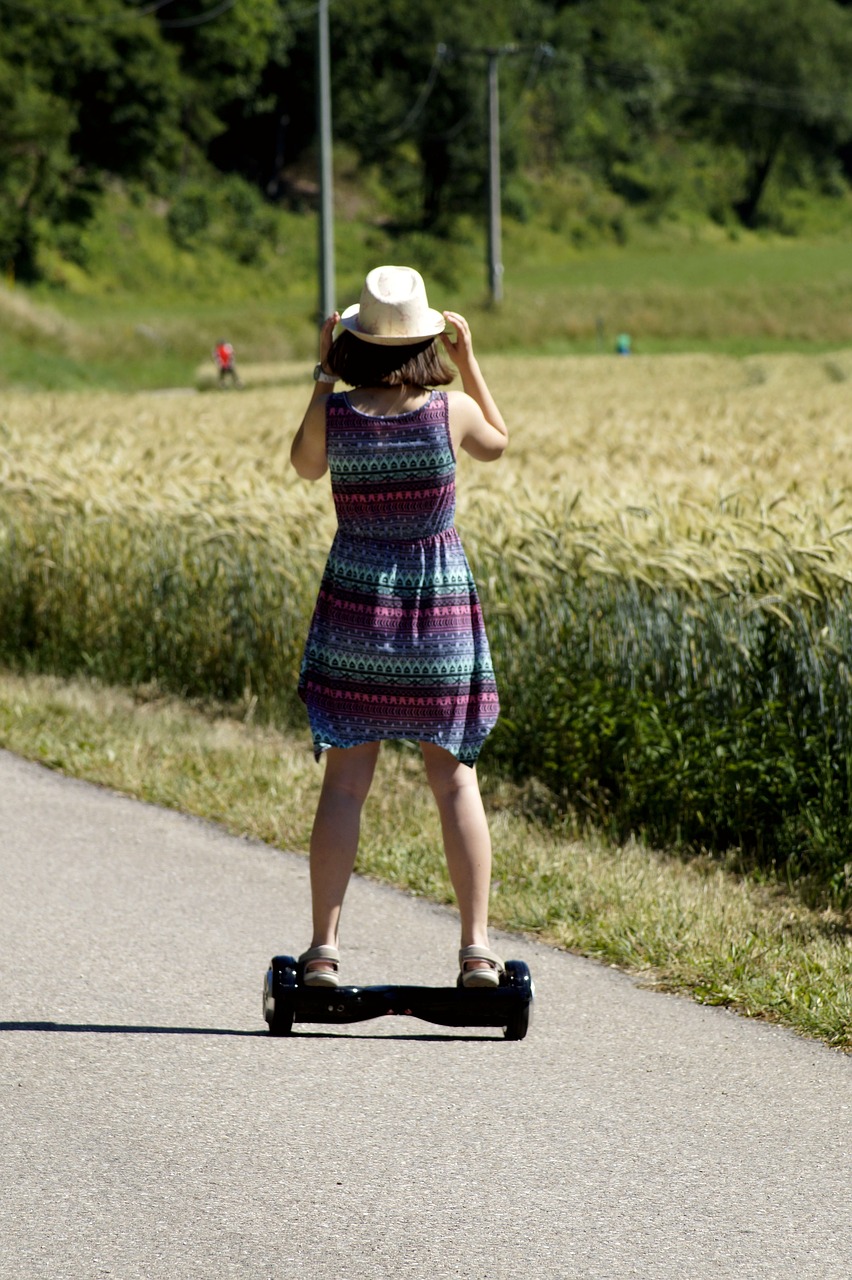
x=462, y=407
x=471, y=429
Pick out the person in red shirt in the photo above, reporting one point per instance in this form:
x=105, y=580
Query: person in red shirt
x=223, y=356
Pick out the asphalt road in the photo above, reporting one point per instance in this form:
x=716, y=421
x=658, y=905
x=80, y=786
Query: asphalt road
x=150, y=1128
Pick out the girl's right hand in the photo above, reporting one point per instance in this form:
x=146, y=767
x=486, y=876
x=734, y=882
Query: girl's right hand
x=327, y=336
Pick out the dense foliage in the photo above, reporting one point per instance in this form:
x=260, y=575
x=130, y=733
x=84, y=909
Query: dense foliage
x=606, y=105
x=704, y=722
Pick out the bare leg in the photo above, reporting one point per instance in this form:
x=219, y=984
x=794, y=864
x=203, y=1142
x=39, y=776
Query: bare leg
x=334, y=839
x=467, y=841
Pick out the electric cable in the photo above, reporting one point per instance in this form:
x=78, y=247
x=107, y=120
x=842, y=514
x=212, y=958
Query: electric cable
x=422, y=98
x=183, y=24
x=543, y=53
x=73, y=19
x=126, y=15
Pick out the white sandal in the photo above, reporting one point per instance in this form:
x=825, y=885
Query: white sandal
x=487, y=975
x=324, y=977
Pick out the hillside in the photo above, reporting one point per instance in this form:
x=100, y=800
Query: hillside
x=144, y=312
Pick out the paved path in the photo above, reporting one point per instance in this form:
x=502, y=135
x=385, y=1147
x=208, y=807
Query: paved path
x=149, y=1128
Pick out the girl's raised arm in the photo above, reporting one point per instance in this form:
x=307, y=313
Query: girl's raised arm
x=307, y=453
x=476, y=423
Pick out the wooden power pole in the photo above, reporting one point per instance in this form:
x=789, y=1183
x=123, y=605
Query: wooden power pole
x=495, y=228
x=326, y=212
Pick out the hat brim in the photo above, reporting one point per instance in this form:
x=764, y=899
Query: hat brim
x=349, y=322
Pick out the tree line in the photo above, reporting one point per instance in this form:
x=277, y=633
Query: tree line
x=649, y=105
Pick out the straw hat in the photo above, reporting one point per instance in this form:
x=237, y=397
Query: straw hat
x=393, y=309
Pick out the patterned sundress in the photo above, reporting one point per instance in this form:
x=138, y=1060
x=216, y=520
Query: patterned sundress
x=397, y=646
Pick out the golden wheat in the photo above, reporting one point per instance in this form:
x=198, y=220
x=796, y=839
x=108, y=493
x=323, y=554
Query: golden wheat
x=678, y=468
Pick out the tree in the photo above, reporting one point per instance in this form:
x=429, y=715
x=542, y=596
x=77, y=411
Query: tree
x=120, y=81
x=35, y=164
x=224, y=64
x=88, y=90
x=771, y=76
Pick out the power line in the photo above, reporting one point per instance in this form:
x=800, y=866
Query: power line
x=129, y=14
x=422, y=98
x=182, y=24
x=760, y=94
x=543, y=53
x=75, y=19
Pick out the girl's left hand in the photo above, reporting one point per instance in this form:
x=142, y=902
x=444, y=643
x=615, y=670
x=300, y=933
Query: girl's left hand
x=460, y=350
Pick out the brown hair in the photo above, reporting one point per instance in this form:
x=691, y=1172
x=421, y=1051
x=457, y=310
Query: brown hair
x=373, y=364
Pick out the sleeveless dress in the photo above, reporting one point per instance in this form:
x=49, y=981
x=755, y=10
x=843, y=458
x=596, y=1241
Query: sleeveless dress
x=397, y=646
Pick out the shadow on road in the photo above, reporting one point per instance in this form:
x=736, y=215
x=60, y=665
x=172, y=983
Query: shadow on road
x=103, y=1028
x=120, y=1029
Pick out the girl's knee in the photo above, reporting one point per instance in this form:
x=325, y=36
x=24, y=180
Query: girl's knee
x=447, y=776
x=349, y=772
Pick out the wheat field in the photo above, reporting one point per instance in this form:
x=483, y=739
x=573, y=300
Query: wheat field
x=702, y=472
x=681, y=464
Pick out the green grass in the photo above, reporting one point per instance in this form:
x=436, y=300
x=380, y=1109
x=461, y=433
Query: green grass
x=767, y=262
x=692, y=927
x=755, y=295
x=36, y=368
x=143, y=312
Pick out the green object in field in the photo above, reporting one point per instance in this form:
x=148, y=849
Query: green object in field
x=623, y=344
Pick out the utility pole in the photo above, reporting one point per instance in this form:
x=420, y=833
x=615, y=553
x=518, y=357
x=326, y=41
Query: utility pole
x=326, y=218
x=495, y=231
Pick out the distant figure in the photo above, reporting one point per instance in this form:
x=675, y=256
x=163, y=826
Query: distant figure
x=223, y=355
x=623, y=345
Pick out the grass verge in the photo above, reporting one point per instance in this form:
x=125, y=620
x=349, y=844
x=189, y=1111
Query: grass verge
x=691, y=927
x=145, y=312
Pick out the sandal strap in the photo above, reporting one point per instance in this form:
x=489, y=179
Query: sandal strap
x=479, y=953
x=324, y=952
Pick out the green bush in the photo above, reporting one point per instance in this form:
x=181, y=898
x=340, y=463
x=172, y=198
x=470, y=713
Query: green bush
x=190, y=214
x=698, y=722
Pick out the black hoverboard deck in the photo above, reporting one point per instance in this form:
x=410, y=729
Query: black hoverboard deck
x=287, y=1000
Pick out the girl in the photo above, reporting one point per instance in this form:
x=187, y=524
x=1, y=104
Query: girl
x=397, y=647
